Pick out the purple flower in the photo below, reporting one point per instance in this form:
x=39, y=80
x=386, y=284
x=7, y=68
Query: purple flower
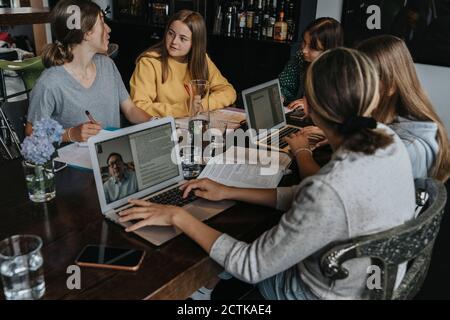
x=48, y=129
x=36, y=150
x=39, y=147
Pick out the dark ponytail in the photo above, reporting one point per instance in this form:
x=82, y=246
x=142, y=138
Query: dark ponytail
x=56, y=54
x=60, y=52
x=342, y=89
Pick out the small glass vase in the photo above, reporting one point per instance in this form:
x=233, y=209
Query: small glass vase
x=40, y=179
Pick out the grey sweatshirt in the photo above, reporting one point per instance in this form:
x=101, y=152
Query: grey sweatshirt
x=353, y=195
x=419, y=138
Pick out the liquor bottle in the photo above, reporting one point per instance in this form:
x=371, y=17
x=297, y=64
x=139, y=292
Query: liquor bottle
x=250, y=17
x=218, y=21
x=258, y=21
x=281, y=28
x=160, y=13
x=272, y=19
x=266, y=16
x=229, y=25
x=241, y=20
x=290, y=20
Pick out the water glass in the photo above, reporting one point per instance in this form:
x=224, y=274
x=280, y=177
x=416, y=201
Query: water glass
x=191, y=161
x=21, y=267
x=40, y=181
x=198, y=108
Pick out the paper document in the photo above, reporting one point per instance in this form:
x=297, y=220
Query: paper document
x=74, y=155
x=231, y=116
x=77, y=154
x=240, y=167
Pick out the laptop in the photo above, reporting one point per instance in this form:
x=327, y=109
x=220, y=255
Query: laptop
x=266, y=117
x=143, y=162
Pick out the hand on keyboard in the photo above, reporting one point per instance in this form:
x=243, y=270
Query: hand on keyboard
x=316, y=136
x=205, y=188
x=297, y=141
x=173, y=197
x=148, y=214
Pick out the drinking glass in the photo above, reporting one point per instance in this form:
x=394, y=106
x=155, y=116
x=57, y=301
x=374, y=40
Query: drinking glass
x=199, y=117
x=21, y=267
x=191, y=161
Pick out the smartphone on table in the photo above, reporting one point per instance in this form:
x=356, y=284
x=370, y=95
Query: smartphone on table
x=99, y=256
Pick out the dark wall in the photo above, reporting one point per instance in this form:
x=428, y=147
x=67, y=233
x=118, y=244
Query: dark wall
x=423, y=24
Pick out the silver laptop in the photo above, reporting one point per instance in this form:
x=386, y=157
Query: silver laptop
x=266, y=117
x=143, y=162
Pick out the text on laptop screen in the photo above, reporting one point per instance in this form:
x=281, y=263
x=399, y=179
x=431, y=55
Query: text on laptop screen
x=135, y=162
x=264, y=107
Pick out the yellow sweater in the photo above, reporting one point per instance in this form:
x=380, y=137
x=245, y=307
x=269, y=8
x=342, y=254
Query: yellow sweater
x=171, y=99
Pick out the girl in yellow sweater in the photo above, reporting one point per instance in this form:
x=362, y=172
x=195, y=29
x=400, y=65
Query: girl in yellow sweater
x=158, y=82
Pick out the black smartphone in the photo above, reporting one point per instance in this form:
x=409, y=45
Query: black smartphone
x=110, y=257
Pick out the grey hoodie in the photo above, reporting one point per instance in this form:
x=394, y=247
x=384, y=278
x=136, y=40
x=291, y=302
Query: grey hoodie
x=353, y=195
x=419, y=138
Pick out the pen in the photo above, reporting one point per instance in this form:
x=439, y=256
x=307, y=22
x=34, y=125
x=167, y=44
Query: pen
x=91, y=118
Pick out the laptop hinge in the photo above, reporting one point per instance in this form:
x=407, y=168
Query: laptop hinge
x=148, y=196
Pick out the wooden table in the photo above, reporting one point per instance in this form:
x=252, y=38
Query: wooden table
x=74, y=219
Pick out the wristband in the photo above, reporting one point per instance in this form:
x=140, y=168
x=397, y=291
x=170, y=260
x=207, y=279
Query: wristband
x=301, y=150
x=68, y=134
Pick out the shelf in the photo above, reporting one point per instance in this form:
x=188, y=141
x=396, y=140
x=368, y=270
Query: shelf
x=21, y=16
x=254, y=40
x=137, y=23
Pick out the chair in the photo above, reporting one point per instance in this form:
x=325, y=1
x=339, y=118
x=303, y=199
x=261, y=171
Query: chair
x=9, y=140
x=16, y=113
x=411, y=242
x=29, y=70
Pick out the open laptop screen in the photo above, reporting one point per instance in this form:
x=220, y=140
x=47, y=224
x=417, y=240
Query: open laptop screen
x=137, y=161
x=264, y=107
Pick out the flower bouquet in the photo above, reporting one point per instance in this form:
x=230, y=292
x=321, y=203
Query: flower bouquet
x=38, y=151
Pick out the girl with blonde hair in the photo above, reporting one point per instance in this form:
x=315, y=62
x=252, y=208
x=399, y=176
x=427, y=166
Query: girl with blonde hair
x=158, y=82
x=406, y=108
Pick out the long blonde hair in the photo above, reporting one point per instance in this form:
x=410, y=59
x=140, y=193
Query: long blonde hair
x=197, y=64
x=342, y=90
x=402, y=94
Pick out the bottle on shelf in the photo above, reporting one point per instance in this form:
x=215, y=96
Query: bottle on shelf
x=290, y=20
x=266, y=21
x=250, y=16
x=272, y=19
x=241, y=20
x=159, y=12
x=280, y=32
x=230, y=22
x=258, y=20
x=218, y=21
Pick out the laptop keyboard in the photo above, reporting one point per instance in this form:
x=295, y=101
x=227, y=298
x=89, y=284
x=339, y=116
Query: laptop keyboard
x=283, y=133
x=173, y=197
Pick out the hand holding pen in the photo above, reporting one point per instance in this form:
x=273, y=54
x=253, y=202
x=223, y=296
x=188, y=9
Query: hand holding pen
x=90, y=117
x=85, y=130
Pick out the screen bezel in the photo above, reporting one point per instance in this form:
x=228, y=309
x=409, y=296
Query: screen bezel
x=255, y=137
x=105, y=207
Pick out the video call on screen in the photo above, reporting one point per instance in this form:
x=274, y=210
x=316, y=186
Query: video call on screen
x=147, y=159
